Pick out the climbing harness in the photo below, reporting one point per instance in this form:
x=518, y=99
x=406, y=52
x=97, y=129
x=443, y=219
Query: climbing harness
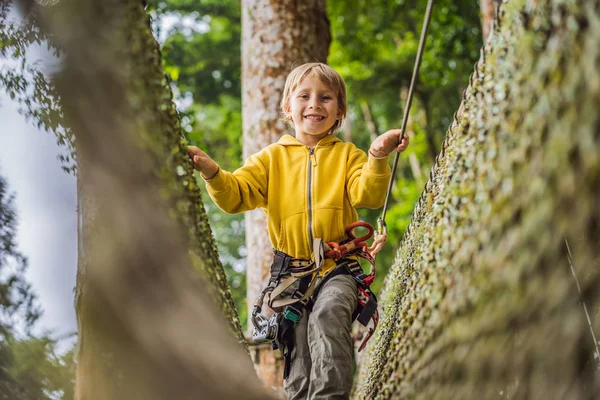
x=294, y=283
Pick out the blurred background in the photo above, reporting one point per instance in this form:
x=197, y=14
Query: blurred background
x=373, y=47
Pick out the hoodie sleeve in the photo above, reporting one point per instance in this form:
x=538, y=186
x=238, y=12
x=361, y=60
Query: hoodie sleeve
x=367, y=179
x=244, y=189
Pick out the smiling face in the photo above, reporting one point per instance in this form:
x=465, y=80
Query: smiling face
x=313, y=107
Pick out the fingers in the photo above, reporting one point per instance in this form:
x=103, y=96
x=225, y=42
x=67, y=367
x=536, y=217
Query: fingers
x=395, y=132
x=386, y=140
x=194, y=151
x=191, y=150
x=375, y=249
x=195, y=154
x=386, y=143
x=404, y=144
x=378, y=244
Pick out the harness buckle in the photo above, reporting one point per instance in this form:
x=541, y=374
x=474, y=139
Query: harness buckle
x=265, y=329
x=360, y=278
x=292, y=314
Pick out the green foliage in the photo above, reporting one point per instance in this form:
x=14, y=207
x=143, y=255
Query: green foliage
x=374, y=48
x=218, y=129
x=202, y=57
x=25, y=81
x=29, y=366
x=35, y=371
x=17, y=302
x=229, y=231
x=30, y=369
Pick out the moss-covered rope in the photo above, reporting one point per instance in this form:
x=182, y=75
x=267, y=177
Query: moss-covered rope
x=480, y=302
x=168, y=147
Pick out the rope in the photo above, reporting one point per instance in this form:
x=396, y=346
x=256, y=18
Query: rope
x=570, y=258
x=381, y=221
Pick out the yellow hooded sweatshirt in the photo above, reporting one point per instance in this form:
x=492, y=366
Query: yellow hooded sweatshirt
x=306, y=193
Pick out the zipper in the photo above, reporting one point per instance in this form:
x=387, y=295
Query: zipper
x=311, y=154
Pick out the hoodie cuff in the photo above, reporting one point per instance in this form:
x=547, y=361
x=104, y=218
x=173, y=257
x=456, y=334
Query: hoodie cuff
x=217, y=182
x=378, y=166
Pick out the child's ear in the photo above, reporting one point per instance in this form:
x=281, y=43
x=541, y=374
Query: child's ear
x=287, y=110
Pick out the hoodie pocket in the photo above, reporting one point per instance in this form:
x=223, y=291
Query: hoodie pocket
x=293, y=234
x=328, y=224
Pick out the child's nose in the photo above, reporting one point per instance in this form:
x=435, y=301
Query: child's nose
x=315, y=104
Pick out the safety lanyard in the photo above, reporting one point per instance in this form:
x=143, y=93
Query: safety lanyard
x=381, y=226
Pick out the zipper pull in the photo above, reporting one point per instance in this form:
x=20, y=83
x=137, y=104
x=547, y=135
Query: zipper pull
x=312, y=156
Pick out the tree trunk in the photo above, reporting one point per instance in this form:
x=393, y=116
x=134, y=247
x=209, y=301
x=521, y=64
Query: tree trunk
x=481, y=302
x=276, y=37
x=156, y=318
x=415, y=166
x=348, y=127
x=369, y=121
x=487, y=17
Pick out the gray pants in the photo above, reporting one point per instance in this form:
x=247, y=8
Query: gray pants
x=322, y=357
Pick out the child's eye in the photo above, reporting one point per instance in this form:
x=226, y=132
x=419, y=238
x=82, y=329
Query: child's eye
x=303, y=96
x=326, y=97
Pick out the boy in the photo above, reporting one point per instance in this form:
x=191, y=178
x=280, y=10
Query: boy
x=309, y=186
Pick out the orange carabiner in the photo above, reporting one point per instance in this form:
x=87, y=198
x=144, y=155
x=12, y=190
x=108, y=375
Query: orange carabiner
x=360, y=224
x=338, y=251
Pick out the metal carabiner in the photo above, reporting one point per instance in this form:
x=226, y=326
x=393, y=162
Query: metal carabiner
x=381, y=226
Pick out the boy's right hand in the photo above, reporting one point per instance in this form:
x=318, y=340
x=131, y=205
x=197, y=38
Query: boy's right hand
x=202, y=162
x=385, y=143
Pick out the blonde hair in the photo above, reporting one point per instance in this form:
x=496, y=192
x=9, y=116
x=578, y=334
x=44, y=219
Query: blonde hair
x=325, y=74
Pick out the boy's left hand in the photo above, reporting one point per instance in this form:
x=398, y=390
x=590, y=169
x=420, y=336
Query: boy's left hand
x=377, y=245
x=384, y=144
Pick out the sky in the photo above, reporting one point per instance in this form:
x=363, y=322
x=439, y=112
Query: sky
x=46, y=205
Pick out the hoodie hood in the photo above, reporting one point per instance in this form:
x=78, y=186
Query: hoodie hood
x=289, y=140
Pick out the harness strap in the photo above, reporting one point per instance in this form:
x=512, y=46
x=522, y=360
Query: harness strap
x=285, y=337
x=366, y=309
x=276, y=302
x=275, y=298
x=354, y=246
x=282, y=263
x=368, y=301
